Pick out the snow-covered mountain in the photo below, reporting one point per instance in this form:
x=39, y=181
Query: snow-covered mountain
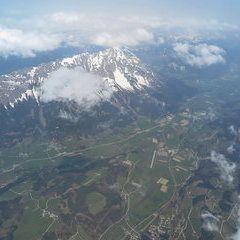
x=134, y=91
x=122, y=70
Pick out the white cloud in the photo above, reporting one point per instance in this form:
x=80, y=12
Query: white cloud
x=25, y=44
x=107, y=30
x=200, y=55
x=117, y=39
x=77, y=85
x=226, y=169
x=210, y=222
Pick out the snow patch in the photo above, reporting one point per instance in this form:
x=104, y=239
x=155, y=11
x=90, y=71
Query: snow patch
x=121, y=80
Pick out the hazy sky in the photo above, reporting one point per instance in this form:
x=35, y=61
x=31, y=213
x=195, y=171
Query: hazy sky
x=224, y=10
x=30, y=26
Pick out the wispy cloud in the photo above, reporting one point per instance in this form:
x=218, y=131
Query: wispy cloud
x=210, y=222
x=226, y=168
x=236, y=236
x=231, y=149
x=233, y=130
x=77, y=85
x=200, y=55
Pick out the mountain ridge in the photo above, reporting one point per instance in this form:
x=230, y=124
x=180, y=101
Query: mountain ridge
x=119, y=67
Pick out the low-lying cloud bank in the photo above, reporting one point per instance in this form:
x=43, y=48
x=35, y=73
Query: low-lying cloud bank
x=200, y=55
x=77, y=30
x=77, y=85
x=226, y=169
x=107, y=30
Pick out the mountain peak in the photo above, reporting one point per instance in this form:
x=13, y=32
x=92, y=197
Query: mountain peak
x=119, y=53
x=121, y=69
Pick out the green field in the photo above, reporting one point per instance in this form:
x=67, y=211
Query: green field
x=95, y=202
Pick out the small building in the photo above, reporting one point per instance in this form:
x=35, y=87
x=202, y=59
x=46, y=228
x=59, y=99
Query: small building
x=163, y=181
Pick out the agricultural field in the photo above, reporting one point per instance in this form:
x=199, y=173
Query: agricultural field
x=117, y=186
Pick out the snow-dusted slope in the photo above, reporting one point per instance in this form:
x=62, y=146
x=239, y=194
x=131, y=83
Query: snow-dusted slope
x=120, y=68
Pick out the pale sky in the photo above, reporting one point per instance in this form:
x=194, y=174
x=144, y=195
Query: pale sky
x=225, y=10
